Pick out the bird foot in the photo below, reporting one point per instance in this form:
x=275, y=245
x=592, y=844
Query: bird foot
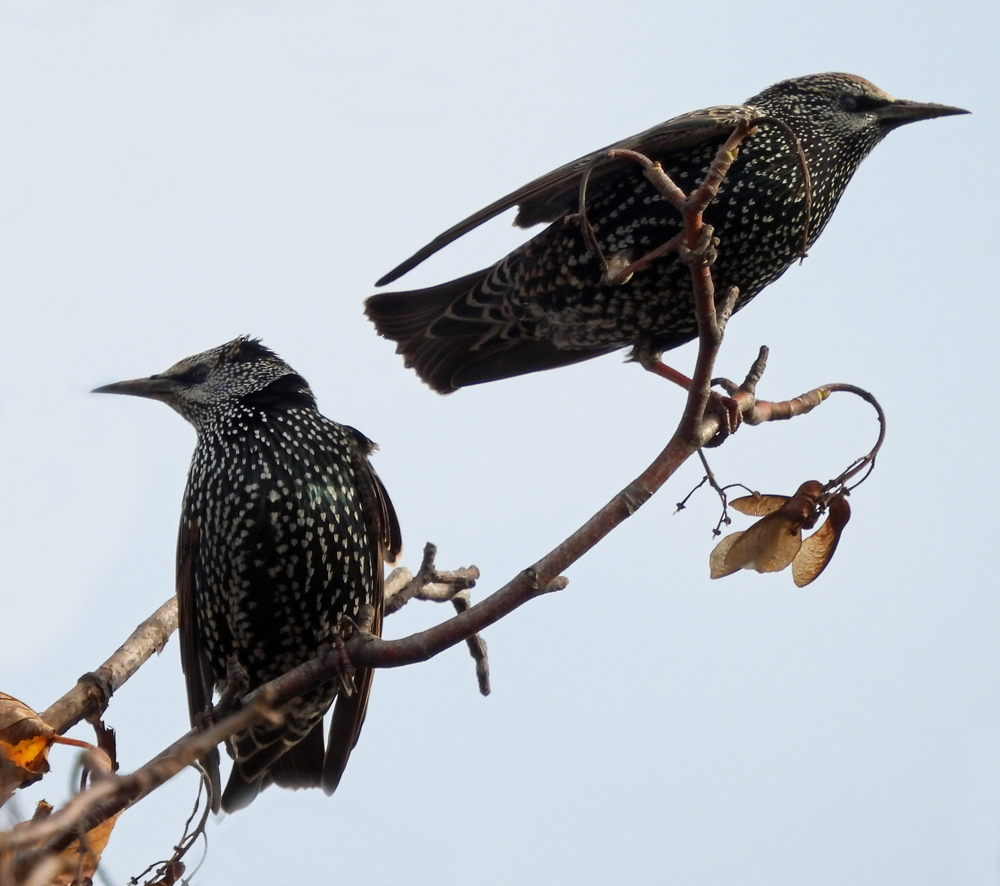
x=236, y=685
x=649, y=359
x=619, y=268
x=206, y=719
x=341, y=660
x=706, y=251
x=730, y=416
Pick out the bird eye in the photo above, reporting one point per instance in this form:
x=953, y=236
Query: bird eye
x=193, y=376
x=849, y=102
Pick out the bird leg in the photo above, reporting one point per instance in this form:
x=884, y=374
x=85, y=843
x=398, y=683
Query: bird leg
x=704, y=253
x=727, y=408
x=235, y=687
x=341, y=660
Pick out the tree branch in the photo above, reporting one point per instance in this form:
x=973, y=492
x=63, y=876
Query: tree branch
x=93, y=691
x=696, y=428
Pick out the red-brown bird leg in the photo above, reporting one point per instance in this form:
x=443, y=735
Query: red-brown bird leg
x=727, y=407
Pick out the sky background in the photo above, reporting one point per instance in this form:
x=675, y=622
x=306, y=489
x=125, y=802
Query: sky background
x=173, y=174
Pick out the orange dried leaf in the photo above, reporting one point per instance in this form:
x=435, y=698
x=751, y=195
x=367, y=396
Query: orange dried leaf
x=28, y=754
x=24, y=743
x=817, y=550
x=24, y=738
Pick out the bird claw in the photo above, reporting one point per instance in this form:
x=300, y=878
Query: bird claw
x=730, y=416
x=236, y=675
x=705, y=253
x=235, y=687
x=345, y=669
x=205, y=719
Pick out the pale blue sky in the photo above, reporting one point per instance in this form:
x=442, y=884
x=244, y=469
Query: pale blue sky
x=173, y=174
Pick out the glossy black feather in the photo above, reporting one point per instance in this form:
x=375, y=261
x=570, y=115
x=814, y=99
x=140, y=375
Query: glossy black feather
x=546, y=304
x=284, y=531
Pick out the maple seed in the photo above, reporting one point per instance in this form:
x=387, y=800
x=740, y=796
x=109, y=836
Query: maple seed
x=775, y=541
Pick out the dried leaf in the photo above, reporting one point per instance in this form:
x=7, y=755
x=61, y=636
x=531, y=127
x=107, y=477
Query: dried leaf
x=24, y=743
x=76, y=864
x=80, y=859
x=772, y=543
x=817, y=550
x=24, y=738
x=717, y=559
x=758, y=504
x=80, y=867
x=170, y=874
x=769, y=545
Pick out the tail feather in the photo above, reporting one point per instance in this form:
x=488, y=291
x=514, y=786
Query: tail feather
x=456, y=334
x=240, y=792
x=349, y=710
x=285, y=756
x=345, y=727
x=301, y=766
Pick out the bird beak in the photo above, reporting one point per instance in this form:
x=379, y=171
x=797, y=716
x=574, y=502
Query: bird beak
x=156, y=387
x=902, y=111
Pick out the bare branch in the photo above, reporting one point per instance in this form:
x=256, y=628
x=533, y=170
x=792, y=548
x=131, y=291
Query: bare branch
x=92, y=692
x=696, y=428
x=428, y=583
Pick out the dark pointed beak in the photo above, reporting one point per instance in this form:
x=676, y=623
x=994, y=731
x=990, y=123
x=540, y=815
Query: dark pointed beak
x=902, y=111
x=155, y=388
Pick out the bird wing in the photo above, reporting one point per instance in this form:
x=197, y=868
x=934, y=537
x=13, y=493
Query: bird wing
x=552, y=196
x=197, y=675
x=385, y=543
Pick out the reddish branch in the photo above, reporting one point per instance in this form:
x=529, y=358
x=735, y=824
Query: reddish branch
x=696, y=428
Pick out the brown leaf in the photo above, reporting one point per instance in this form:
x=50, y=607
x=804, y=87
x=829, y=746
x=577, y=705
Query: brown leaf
x=25, y=740
x=170, y=873
x=717, y=559
x=80, y=866
x=772, y=543
x=80, y=859
x=24, y=744
x=817, y=550
x=758, y=505
x=769, y=545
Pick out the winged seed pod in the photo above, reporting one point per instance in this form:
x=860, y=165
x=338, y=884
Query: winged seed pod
x=775, y=541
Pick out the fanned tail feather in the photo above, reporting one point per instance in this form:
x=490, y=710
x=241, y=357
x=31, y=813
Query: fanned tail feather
x=451, y=337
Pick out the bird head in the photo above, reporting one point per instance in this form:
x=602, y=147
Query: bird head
x=200, y=387
x=841, y=104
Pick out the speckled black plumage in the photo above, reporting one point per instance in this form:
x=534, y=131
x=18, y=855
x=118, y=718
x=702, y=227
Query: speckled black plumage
x=544, y=305
x=283, y=534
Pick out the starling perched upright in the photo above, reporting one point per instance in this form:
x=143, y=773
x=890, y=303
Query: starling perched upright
x=545, y=304
x=284, y=530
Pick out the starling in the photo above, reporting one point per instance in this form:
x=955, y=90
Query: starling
x=546, y=304
x=284, y=530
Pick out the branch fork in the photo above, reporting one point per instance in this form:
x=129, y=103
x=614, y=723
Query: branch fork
x=697, y=427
